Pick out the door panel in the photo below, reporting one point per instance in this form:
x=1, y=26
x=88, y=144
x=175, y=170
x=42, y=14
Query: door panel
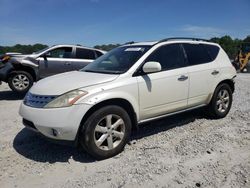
x=202, y=64
x=165, y=91
x=55, y=61
x=53, y=66
x=162, y=92
x=201, y=82
x=78, y=64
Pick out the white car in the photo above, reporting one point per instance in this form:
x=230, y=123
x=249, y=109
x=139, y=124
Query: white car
x=132, y=84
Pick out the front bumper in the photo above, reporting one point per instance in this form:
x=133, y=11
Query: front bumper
x=57, y=123
x=4, y=71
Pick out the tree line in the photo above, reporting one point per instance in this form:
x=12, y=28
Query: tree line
x=231, y=46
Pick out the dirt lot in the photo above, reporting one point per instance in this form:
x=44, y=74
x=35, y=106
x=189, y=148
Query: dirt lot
x=185, y=150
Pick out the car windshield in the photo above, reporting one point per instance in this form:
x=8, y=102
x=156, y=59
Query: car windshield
x=117, y=61
x=40, y=51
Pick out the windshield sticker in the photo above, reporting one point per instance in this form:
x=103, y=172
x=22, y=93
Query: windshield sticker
x=133, y=49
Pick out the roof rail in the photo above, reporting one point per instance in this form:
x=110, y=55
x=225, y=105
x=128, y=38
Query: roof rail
x=183, y=38
x=131, y=42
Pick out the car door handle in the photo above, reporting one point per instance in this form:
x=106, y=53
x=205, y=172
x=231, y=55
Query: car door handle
x=215, y=72
x=183, y=78
x=67, y=63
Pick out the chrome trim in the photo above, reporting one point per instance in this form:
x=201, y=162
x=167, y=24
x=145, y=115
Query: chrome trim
x=170, y=114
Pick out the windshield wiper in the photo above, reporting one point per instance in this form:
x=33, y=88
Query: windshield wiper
x=103, y=72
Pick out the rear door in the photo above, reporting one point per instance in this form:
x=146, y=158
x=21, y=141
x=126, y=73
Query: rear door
x=55, y=61
x=164, y=91
x=203, y=71
x=82, y=58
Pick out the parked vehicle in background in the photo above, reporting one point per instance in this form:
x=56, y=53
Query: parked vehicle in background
x=132, y=84
x=20, y=71
x=3, y=59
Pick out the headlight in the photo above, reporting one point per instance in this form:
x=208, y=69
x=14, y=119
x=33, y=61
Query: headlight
x=67, y=99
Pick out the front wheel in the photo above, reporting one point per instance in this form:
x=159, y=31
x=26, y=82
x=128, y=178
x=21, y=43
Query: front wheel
x=20, y=81
x=221, y=101
x=106, y=132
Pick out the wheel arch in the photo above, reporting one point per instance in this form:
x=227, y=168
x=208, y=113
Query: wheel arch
x=123, y=103
x=23, y=68
x=229, y=82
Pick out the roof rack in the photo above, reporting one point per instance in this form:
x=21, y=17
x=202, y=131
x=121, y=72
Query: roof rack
x=183, y=38
x=131, y=42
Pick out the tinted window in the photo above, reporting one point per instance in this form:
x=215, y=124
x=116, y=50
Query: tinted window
x=118, y=60
x=84, y=54
x=212, y=50
x=64, y=52
x=169, y=56
x=98, y=53
x=196, y=54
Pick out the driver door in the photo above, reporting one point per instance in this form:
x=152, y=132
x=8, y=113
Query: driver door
x=55, y=61
x=165, y=91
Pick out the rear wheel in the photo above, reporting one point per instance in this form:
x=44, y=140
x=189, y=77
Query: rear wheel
x=20, y=81
x=221, y=101
x=106, y=132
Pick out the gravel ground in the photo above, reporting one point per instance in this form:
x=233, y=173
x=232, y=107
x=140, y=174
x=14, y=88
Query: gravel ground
x=185, y=150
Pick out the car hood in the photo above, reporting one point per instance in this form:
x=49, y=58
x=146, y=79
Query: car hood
x=24, y=59
x=21, y=56
x=65, y=82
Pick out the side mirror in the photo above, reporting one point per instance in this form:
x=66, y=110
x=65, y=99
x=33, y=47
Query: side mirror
x=45, y=55
x=151, y=67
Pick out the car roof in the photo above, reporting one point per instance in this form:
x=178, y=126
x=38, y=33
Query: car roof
x=171, y=40
x=78, y=46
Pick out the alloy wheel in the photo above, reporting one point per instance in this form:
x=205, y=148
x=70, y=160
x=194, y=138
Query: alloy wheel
x=20, y=82
x=109, y=132
x=222, y=102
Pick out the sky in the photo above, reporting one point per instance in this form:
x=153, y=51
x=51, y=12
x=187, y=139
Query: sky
x=93, y=22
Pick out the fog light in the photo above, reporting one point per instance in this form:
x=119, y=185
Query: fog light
x=54, y=132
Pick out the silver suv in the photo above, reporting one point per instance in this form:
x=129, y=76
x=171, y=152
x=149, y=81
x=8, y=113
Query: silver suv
x=22, y=70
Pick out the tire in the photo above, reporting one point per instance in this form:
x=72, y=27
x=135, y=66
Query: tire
x=97, y=137
x=221, y=101
x=20, y=81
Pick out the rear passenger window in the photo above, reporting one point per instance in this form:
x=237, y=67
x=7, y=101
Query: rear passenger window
x=99, y=54
x=212, y=51
x=169, y=56
x=196, y=54
x=84, y=54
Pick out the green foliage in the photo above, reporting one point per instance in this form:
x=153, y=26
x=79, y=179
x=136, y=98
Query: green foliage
x=231, y=46
x=107, y=47
x=24, y=49
x=247, y=39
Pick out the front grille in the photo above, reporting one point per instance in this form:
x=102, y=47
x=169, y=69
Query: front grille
x=38, y=101
x=28, y=124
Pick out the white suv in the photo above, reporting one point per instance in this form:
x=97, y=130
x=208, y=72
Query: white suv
x=132, y=84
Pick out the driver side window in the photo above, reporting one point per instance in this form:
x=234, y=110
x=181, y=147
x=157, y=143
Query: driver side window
x=64, y=52
x=169, y=56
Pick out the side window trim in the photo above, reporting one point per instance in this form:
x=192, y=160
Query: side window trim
x=96, y=56
x=74, y=53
